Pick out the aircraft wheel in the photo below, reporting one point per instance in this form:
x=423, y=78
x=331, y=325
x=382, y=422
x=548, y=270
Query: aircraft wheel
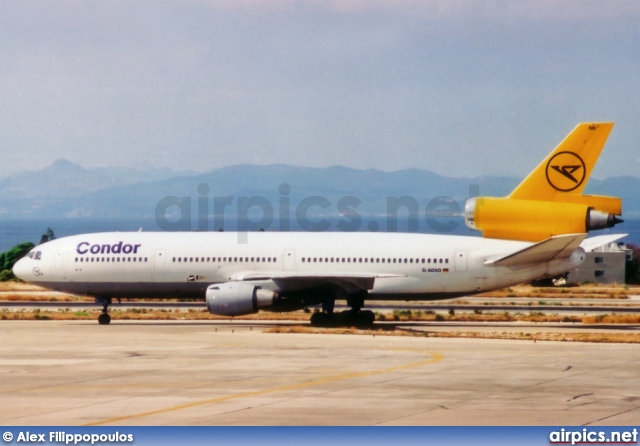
x=104, y=319
x=320, y=320
x=345, y=318
x=366, y=317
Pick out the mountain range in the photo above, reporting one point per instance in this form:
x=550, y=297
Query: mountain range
x=67, y=190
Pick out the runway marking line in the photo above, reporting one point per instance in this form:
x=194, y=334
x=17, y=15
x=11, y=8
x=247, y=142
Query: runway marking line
x=435, y=357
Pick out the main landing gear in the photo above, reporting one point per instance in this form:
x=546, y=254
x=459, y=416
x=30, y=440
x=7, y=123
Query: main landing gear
x=353, y=317
x=104, y=318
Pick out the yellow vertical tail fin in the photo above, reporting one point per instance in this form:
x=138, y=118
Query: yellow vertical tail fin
x=567, y=169
x=550, y=202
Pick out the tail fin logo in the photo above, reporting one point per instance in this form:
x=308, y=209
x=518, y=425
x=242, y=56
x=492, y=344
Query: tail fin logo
x=566, y=171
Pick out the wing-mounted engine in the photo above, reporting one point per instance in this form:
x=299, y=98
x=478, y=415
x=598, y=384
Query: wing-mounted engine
x=237, y=299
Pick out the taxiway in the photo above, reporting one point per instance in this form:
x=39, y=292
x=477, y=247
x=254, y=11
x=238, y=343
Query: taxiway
x=220, y=373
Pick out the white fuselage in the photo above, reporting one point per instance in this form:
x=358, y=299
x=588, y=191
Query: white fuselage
x=161, y=264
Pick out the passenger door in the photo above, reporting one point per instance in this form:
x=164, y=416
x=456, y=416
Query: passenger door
x=461, y=261
x=289, y=259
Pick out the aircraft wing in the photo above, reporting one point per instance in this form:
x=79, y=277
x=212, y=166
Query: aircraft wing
x=363, y=281
x=595, y=242
x=555, y=248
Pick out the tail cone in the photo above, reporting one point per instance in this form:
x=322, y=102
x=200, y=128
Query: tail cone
x=614, y=221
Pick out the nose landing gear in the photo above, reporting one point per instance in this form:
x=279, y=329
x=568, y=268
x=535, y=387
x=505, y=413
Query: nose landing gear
x=104, y=318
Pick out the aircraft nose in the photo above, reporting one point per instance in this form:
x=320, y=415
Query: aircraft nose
x=22, y=269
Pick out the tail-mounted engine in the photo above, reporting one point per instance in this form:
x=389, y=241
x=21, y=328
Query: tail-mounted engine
x=550, y=200
x=531, y=220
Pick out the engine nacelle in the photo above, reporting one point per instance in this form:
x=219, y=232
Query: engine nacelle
x=530, y=220
x=236, y=299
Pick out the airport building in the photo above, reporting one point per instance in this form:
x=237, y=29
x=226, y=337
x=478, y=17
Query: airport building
x=605, y=264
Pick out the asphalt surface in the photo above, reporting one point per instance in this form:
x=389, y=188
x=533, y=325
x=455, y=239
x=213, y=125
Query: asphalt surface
x=230, y=373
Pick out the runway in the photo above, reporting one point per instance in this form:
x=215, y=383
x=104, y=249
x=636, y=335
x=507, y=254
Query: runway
x=220, y=373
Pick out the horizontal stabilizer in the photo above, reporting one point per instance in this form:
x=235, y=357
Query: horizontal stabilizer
x=554, y=248
x=592, y=243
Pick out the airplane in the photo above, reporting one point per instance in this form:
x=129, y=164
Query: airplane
x=538, y=231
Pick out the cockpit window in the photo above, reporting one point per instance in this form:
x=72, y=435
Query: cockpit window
x=31, y=254
x=35, y=255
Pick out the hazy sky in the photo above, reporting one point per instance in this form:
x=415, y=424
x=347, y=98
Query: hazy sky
x=457, y=87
